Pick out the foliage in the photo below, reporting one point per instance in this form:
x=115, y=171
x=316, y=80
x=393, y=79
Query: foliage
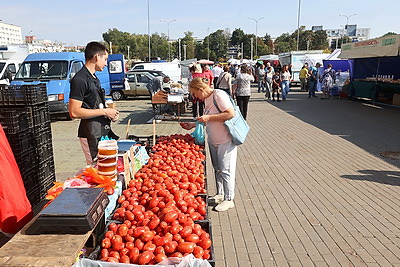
x=217, y=42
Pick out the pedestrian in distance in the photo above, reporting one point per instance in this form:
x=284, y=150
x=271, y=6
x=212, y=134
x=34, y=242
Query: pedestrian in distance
x=328, y=79
x=303, y=76
x=276, y=85
x=87, y=102
x=285, y=81
x=242, y=89
x=268, y=82
x=260, y=78
x=223, y=152
x=313, y=80
x=225, y=81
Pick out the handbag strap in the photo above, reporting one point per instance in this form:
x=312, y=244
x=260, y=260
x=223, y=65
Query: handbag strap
x=215, y=102
x=219, y=82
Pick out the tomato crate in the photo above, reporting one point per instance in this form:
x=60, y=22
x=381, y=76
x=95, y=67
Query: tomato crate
x=15, y=120
x=23, y=95
x=42, y=135
x=205, y=199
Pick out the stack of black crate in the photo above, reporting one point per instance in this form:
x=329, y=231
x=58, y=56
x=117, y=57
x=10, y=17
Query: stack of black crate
x=25, y=118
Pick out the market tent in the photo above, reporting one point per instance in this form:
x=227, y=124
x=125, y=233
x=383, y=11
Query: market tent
x=313, y=59
x=269, y=57
x=337, y=63
x=234, y=61
x=205, y=61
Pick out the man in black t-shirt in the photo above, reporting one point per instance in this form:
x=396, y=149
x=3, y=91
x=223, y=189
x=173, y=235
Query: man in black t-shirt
x=87, y=101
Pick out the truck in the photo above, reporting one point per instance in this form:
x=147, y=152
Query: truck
x=56, y=69
x=296, y=59
x=11, y=58
x=172, y=69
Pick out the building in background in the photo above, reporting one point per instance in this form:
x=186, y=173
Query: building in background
x=10, y=34
x=352, y=31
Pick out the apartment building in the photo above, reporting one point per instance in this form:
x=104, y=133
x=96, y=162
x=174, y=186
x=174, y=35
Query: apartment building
x=10, y=34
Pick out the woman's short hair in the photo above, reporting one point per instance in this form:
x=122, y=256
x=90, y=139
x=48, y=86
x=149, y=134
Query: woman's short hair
x=243, y=68
x=226, y=68
x=198, y=83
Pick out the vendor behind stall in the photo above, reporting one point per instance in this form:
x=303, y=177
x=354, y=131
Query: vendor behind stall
x=156, y=84
x=87, y=102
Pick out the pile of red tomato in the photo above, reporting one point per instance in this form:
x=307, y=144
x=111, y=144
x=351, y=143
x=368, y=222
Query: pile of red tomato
x=159, y=208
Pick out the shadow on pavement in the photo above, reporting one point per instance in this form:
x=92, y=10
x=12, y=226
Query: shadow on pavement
x=383, y=177
x=374, y=129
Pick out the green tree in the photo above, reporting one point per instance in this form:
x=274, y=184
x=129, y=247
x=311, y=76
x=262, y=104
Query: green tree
x=389, y=33
x=320, y=41
x=284, y=43
x=189, y=41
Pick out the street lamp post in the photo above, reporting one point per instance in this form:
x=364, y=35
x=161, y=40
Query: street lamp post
x=256, y=20
x=148, y=26
x=298, y=26
x=347, y=21
x=208, y=43
x=169, y=48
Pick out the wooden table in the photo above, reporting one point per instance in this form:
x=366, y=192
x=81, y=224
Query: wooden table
x=160, y=101
x=42, y=250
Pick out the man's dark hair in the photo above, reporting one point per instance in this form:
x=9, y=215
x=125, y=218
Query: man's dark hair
x=94, y=48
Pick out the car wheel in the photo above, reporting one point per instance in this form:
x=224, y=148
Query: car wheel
x=117, y=95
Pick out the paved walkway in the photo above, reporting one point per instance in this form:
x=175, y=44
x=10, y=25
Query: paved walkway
x=312, y=189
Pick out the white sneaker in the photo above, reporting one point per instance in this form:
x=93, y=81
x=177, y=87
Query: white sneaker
x=225, y=205
x=217, y=198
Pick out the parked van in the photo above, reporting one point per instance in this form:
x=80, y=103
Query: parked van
x=172, y=69
x=56, y=69
x=11, y=58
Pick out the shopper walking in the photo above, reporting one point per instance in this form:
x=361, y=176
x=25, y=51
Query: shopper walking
x=303, y=76
x=268, y=82
x=242, y=89
x=285, y=81
x=225, y=81
x=313, y=80
x=327, y=80
x=276, y=85
x=260, y=78
x=223, y=152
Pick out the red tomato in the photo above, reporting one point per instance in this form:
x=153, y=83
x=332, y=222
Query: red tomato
x=129, y=245
x=159, y=250
x=116, y=238
x=121, y=199
x=145, y=257
x=113, y=227
x=124, y=259
x=134, y=254
x=198, y=252
x=187, y=230
x=109, y=234
x=106, y=243
x=192, y=238
x=147, y=236
x=149, y=246
x=122, y=230
x=160, y=257
x=171, y=216
x=112, y=259
x=110, y=191
x=138, y=231
x=104, y=253
x=128, y=237
x=177, y=254
x=114, y=254
x=118, y=246
x=123, y=251
x=169, y=247
x=205, y=243
x=129, y=216
x=154, y=223
x=139, y=244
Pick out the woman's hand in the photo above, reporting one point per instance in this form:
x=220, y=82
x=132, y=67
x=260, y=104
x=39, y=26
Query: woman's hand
x=187, y=125
x=204, y=119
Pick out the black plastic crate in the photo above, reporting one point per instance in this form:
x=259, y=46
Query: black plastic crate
x=44, y=151
x=15, y=120
x=40, y=114
x=46, y=169
x=23, y=95
x=26, y=162
x=36, y=193
x=42, y=135
x=21, y=143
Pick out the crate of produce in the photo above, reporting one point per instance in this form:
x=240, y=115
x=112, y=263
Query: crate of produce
x=36, y=191
x=206, y=226
x=26, y=161
x=15, y=120
x=42, y=135
x=44, y=151
x=23, y=95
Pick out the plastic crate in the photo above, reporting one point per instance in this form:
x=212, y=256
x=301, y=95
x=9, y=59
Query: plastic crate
x=143, y=140
x=26, y=162
x=40, y=114
x=23, y=95
x=44, y=151
x=21, y=143
x=36, y=193
x=42, y=135
x=15, y=120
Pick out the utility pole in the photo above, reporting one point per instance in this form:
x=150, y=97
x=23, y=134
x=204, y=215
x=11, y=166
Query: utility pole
x=184, y=52
x=128, y=51
x=148, y=26
x=251, y=49
x=298, y=27
x=347, y=23
x=208, y=43
x=256, y=20
x=110, y=47
x=179, y=49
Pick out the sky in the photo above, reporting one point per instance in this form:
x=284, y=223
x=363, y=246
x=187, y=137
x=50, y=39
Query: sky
x=78, y=22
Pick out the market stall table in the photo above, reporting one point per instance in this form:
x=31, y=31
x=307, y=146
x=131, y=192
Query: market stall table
x=161, y=100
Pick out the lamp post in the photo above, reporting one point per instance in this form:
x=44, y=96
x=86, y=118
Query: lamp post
x=256, y=20
x=298, y=26
x=148, y=26
x=169, y=49
x=347, y=20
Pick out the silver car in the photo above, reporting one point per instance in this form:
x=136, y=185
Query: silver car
x=135, y=85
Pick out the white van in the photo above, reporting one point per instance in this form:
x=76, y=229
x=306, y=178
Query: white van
x=172, y=69
x=8, y=69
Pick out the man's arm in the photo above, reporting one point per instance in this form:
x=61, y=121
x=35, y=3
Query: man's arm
x=77, y=112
